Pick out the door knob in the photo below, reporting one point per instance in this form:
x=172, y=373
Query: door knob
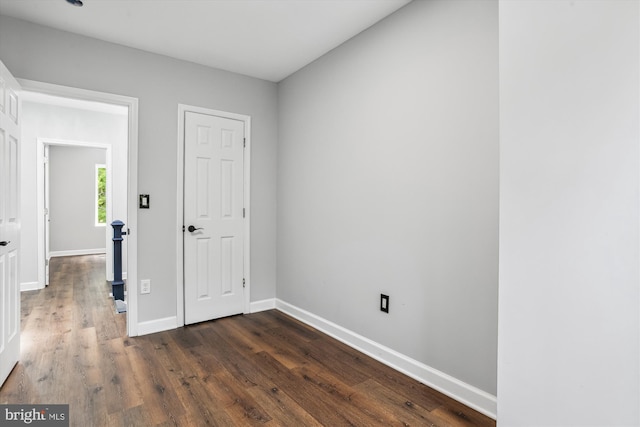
x=5, y=242
x=192, y=229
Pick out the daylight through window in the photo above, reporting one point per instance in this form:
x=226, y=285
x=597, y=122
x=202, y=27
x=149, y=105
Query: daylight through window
x=101, y=195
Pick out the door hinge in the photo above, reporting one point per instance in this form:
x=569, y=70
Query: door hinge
x=46, y=160
x=244, y=142
x=243, y=282
x=243, y=212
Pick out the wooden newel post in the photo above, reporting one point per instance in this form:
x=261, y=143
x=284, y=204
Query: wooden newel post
x=118, y=284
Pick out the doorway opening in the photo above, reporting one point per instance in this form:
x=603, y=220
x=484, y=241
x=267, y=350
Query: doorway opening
x=67, y=190
x=120, y=163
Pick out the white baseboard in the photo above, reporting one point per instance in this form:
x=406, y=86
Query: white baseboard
x=77, y=252
x=464, y=393
x=263, y=305
x=30, y=286
x=158, y=325
x=111, y=294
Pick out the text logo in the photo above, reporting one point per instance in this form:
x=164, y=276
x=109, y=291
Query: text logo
x=34, y=415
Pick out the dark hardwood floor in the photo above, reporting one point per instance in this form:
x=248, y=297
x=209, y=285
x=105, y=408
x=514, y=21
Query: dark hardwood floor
x=263, y=368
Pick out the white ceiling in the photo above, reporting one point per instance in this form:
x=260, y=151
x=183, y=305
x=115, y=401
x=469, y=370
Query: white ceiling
x=268, y=39
x=42, y=98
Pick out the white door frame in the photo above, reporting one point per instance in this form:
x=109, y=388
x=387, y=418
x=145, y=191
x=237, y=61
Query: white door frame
x=182, y=109
x=132, y=179
x=43, y=243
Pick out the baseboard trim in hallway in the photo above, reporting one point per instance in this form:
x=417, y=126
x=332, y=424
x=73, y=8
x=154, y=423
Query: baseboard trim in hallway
x=263, y=305
x=158, y=325
x=78, y=252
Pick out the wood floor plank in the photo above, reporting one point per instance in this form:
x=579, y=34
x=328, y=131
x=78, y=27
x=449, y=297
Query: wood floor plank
x=260, y=334
x=298, y=330
x=283, y=409
x=312, y=399
x=160, y=399
x=460, y=415
x=236, y=363
x=20, y=387
x=87, y=358
x=258, y=386
x=118, y=381
x=398, y=408
x=260, y=369
x=243, y=408
x=201, y=405
x=412, y=390
x=319, y=352
x=244, y=339
x=205, y=362
x=185, y=337
x=106, y=330
x=186, y=377
x=342, y=396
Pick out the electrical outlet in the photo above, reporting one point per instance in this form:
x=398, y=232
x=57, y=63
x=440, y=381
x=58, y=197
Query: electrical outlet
x=145, y=286
x=384, y=303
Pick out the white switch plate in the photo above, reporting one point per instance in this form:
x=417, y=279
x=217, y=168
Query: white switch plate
x=145, y=286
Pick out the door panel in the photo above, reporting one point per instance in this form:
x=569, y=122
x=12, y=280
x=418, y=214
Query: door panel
x=9, y=223
x=213, y=203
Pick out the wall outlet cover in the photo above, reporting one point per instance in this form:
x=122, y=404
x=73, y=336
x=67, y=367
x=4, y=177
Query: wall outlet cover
x=145, y=286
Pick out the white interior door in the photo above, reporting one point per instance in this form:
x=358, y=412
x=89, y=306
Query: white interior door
x=213, y=204
x=9, y=223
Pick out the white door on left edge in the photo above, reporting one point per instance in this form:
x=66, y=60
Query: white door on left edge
x=9, y=223
x=213, y=208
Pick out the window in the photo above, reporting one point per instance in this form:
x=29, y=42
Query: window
x=101, y=195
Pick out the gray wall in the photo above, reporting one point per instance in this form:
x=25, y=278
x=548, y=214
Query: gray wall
x=160, y=83
x=569, y=209
x=388, y=183
x=72, y=199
